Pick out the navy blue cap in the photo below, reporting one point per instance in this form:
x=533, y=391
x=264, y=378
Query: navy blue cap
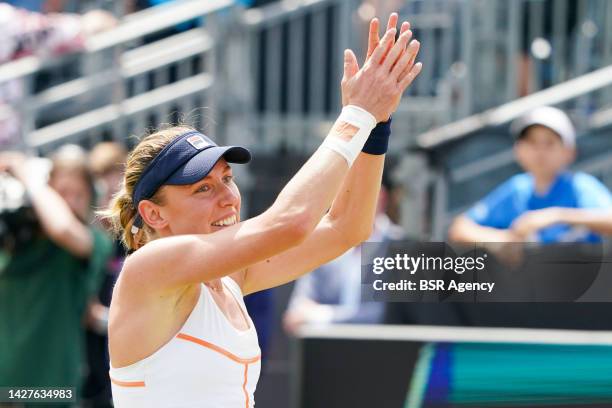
x=185, y=160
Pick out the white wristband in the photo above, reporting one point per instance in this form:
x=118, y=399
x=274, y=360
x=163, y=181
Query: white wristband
x=343, y=139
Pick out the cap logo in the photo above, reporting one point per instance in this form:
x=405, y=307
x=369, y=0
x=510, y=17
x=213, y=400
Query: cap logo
x=198, y=142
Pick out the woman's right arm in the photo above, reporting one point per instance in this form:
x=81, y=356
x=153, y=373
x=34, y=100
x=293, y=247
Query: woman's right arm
x=180, y=260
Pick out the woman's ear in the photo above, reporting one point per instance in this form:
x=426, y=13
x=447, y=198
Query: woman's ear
x=151, y=214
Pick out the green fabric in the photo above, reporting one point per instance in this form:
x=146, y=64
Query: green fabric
x=43, y=293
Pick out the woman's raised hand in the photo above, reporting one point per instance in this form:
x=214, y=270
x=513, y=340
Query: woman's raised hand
x=388, y=70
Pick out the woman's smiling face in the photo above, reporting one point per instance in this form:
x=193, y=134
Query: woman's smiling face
x=203, y=207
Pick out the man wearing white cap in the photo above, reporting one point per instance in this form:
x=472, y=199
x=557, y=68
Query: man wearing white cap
x=547, y=203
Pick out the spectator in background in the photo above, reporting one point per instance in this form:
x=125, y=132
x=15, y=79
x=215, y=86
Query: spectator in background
x=25, y=33
x=107, y=162
x=40, y=6
x=46, y=284
x=332, y=293
x=546, y=204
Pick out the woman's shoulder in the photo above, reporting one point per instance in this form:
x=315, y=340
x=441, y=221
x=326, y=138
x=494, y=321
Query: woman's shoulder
x=156, y=254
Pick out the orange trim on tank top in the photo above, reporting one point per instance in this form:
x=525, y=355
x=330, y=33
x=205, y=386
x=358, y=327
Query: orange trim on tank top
x=231, y=356
x=127, y=383
x=244, y=384
x=218, y=349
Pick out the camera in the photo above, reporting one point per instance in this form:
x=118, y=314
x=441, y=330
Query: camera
x=18, y=222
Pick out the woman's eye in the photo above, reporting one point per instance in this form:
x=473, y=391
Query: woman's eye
x=228, y=179
x=203, y=188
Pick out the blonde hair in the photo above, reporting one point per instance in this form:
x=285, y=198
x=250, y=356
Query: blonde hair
x=122, y=212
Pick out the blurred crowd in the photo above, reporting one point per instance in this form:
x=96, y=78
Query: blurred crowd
x=58, y=265
x=55, y=285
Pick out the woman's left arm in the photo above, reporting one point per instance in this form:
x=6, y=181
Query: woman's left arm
x=351, y=217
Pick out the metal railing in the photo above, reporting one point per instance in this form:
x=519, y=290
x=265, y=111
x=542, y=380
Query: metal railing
x=278, y=67
x=125, y=84
x=294, y=48
x=477, y=54
x=538, y=42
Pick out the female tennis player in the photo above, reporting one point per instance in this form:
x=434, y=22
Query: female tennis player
x=179, y=332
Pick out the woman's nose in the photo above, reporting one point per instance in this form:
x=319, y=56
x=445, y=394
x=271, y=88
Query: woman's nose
x=229, y=197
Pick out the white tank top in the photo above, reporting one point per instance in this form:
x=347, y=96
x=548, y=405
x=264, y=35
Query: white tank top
x=208, y=363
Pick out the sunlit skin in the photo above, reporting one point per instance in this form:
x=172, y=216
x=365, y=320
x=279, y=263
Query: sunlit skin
x=74, y=190
x=194, y=208
x=542, y=153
